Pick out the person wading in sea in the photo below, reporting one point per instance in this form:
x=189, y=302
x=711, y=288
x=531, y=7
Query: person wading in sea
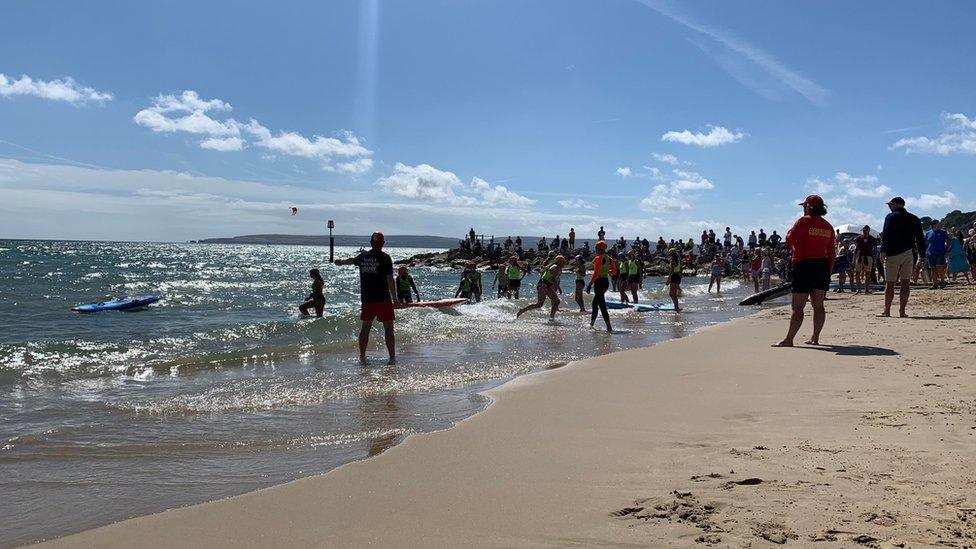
x=316, y=299
x=548, y=288
x=377, y=291
x=603, y=270
x=813, y=243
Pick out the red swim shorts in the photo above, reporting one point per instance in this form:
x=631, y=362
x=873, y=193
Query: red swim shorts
x=382, y=311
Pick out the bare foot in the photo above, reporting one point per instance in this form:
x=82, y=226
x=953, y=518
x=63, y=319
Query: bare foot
x=391, y=362
x=811, y=342
x=362, y=360
x=783, y=343
x=885, y=314
x=903, y=314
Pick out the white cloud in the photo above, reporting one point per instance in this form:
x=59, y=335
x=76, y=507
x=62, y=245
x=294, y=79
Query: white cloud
x=958, y=137
x=577, y=204
x=677, y=193
x=666, y=158
x=223, y=144
x=664, y=197
x=869, y=192
x=66, y=90
x=928, y=202
x=691, y=181
x=854, y=186
x=193, y=117
x=624, y=172
x=96, y=203
x=717, y=135
x=498, y=195
x=358, y=166
x=421, y=182
x=425, y=182
x=189, y=113
x=295, y=144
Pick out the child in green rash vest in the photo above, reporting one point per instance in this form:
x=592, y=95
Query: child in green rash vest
x=475, y=277
x=623, y=272
x=633, y=274
x=405, y=283
x=580, y=281
x=501, y=279
x=515, y=276
x=547, y=288
x=316, y=299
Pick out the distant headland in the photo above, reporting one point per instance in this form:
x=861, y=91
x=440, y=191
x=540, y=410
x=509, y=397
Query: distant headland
x=393, y=241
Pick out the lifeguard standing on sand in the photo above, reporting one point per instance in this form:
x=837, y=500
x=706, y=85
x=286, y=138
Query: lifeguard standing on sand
x=377, y=293
x=813, y=243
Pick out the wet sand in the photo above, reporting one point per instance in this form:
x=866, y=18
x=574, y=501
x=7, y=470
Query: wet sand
x=716, y=438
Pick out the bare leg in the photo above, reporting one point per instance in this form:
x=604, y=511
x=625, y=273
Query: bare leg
x=633, y=291
x=889, y=296
x=906, y=290
x=390, y=341
x=579, y=298
x=819, y=315
x=364, y=340
x=673, y=292
x=796, y=320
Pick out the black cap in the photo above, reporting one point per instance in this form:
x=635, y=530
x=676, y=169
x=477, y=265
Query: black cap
x=897, y=201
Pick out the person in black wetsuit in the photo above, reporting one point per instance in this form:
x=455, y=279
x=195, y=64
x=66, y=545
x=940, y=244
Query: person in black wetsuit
x=603, y=269
x=316, y=299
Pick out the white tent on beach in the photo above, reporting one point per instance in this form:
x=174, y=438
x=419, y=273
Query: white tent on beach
x=849, y=229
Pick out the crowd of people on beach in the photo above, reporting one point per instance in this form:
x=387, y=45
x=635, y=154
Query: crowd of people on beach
x=811, y=252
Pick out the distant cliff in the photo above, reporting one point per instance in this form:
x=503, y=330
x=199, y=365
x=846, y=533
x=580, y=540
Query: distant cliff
x=392, y=241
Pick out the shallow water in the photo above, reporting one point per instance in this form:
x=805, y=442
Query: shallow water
x=221, y=388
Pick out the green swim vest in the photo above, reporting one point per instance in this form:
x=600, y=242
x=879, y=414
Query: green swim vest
x=634, y=267
x=605, y=267
x=403, y=283
x=514, y=273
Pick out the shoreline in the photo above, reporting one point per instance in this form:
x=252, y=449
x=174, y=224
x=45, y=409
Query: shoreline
x=602, y=435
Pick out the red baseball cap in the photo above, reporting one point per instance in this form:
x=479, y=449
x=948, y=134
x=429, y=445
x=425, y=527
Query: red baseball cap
x=812, y=200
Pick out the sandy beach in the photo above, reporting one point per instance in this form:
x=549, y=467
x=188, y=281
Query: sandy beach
x=715, y=438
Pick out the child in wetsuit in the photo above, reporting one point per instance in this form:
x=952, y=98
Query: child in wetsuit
x=316, y=299
x=405, y=283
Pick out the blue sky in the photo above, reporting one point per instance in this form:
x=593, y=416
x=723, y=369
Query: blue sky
x=186, y=120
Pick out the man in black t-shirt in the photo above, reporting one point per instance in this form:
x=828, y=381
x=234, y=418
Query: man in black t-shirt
x=377, y=292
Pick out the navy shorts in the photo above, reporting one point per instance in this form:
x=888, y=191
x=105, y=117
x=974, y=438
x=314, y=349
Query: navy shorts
x=811, y=274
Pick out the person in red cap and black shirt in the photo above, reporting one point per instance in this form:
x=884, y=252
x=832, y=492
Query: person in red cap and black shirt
x=813, y=243
x=377, y=293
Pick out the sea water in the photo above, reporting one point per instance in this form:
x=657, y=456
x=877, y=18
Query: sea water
x=222, y=388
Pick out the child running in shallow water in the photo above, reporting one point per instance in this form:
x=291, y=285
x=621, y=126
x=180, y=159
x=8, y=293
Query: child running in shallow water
x=547, y=288
x=316, y=299
x=580, y=281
